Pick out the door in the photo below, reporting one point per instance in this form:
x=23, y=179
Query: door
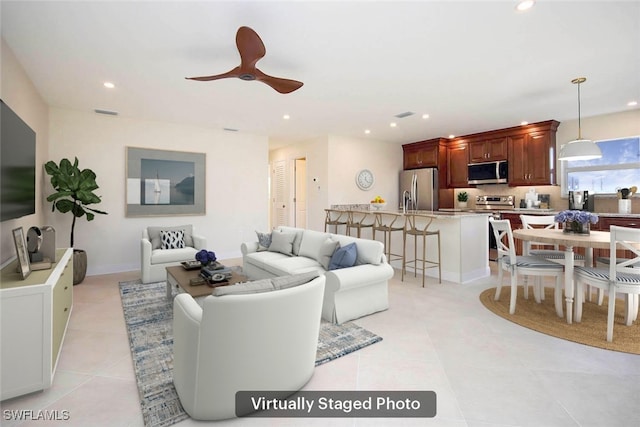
x=279, y=194
x=300, y=198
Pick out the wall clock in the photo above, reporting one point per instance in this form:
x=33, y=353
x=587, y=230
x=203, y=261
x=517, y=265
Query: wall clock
x=365, y=179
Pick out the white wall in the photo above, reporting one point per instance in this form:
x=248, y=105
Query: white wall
x=607, y=126
x=236, y=179
x=17, y=91
x=347, y=156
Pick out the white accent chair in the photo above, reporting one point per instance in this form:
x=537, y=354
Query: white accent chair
x=619, y=277
x=263, y=341
x=526, y=265
x=154, y=259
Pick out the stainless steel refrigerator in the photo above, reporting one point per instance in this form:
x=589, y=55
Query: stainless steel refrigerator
x=419, y=189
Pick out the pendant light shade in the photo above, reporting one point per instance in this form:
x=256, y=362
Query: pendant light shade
x=579, y=148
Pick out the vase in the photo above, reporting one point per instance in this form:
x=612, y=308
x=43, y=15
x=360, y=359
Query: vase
x=79, y=266
x=575, y=227
x=462, y=205
x=624, y=206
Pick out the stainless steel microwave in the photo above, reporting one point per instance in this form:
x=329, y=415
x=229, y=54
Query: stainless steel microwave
x=488, y=173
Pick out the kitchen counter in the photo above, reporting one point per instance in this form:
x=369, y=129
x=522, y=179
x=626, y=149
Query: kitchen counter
x=555, y=211
x=464, y=243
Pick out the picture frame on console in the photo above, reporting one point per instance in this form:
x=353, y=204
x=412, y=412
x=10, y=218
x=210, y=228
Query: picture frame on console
x=165, y=183
x=24, y=268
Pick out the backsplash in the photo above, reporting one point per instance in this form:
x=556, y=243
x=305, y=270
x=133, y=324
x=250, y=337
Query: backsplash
x=602, y=204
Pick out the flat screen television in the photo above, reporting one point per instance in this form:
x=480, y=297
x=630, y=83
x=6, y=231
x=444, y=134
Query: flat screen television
x=17, y=166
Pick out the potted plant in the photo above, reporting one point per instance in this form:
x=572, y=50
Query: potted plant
x=463, y=197
x=73, y=193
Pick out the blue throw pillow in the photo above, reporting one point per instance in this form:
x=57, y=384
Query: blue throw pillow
x=344, y=257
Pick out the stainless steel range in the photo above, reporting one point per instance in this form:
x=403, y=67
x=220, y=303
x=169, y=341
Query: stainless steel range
x=495, y=203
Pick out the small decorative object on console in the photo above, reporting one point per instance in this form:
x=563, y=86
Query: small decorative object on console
x=576, y=222
x=191, y=265
x=205, y=257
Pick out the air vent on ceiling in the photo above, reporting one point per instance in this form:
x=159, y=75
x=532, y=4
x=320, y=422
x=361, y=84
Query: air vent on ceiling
x=230, y=129
x=107, y=112
x=405, y=114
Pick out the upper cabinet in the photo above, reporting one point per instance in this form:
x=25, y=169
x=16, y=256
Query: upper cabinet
x=422, y=154
x=488, y=150
x=529, y=150
x=458, y=159
x=532, y=158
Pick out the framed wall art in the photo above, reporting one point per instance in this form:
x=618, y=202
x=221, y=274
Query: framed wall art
x=24, y=268
x=164, y=183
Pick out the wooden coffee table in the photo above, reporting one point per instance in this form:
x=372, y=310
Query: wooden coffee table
x=179, y=277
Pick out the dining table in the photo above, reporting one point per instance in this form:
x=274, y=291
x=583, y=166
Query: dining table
x=595, y=239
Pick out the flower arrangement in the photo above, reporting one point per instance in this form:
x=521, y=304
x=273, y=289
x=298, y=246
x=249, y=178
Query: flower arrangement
x=205, y=257
x=582, y=217
x=577, y=222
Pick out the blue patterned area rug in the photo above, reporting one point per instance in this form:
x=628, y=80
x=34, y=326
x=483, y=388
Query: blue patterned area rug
x=149, y=316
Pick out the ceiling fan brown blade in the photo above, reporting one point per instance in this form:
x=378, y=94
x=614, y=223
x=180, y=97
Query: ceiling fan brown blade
x=251, y=48
x=233, y=73
x=279, y=84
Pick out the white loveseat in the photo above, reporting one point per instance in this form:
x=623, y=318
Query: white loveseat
x=350, y=292
x=252, y=342
x=154, y=259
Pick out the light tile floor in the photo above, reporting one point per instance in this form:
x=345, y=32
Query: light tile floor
x=485, y=370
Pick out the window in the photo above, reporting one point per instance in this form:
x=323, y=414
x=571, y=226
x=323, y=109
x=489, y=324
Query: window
x=619, y=167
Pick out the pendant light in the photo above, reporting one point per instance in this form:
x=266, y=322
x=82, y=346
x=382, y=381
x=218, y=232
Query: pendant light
x=579, y=149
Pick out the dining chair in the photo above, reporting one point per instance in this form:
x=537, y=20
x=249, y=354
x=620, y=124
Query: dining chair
x=620, y=277
x=525, y=265
x=555, y=254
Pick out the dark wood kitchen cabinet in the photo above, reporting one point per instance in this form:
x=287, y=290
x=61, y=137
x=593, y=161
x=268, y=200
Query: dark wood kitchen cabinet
x=488, y=150
x=532, y=159
x=457, y=160
x=422, y=154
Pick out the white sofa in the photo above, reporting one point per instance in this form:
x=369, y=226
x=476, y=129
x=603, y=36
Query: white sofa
x=154, y=259
x=261, y=341
x=350, y=292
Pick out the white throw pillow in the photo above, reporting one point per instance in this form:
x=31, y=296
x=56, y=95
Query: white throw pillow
x=172, y=239
x=327, y=249
x=282, y=242
x=311, y=243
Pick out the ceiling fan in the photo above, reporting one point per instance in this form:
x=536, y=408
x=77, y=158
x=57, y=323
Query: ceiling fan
x=251, y=51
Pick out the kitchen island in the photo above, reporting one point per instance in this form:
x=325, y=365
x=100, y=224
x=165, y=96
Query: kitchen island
x=464, y=244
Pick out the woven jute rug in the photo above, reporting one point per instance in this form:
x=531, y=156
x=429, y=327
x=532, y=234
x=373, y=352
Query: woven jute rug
x=592, y=330
x=149, y=317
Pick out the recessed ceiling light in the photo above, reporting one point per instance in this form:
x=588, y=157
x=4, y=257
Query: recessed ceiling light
x=393, y=124
x=524, y=123
x=109, y=85
x=286, y=117
x=632, y=103
x=452, y=136
x=367, y=131
x=425, y=116
x=525, y=5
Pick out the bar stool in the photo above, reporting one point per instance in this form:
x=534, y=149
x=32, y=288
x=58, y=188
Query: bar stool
x=360, y=220
x=335, y=217
x=417, y=225
x=386, y=223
